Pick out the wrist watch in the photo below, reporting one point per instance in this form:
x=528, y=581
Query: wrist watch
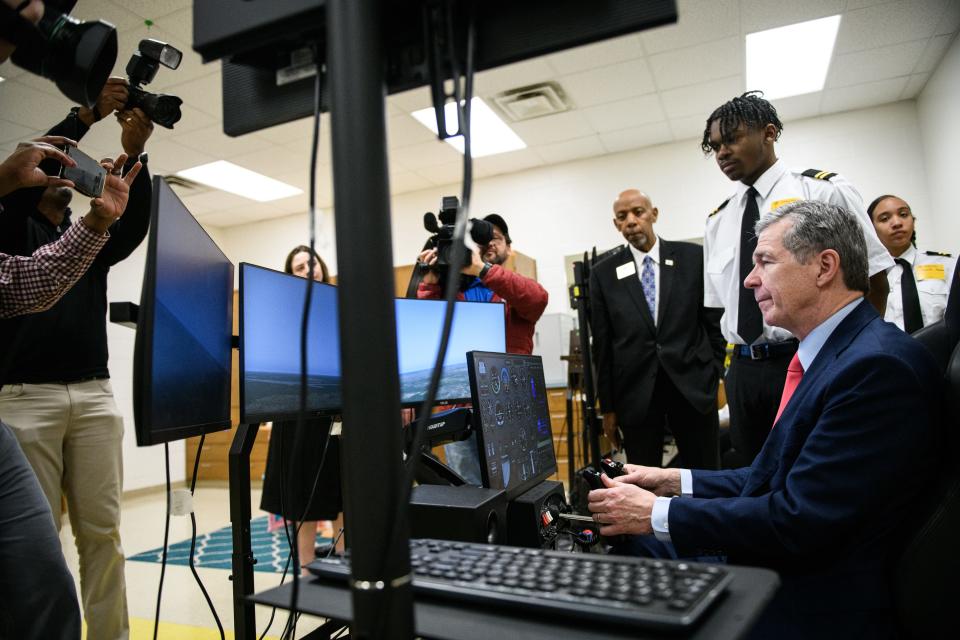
x=484, y=270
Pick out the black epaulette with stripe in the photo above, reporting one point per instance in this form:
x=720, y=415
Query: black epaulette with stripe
x=942, y=254
x=720, y=208
x=818, y=174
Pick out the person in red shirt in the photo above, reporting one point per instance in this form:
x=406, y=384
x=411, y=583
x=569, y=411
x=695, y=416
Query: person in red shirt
x=489, y=281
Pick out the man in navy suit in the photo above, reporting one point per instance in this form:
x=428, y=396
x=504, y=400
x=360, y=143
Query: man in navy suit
x=852, y=450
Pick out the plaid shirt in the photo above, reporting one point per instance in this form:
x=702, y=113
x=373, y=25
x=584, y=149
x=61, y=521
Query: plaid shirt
x=35, y=283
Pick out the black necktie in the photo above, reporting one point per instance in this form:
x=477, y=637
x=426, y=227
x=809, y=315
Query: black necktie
x=749, y=320
x=912, y=318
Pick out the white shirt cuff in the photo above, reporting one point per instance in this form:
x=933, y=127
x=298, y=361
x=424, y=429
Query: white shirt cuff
x=686, y=483
x=659, y=519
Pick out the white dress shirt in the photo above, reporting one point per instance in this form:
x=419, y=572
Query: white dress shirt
x=933, y=285
x=721, y=242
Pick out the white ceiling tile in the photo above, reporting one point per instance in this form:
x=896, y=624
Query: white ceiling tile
x=406, y=181
x=154, y=8
x=887, y=23
x=178, y=23
x=115, y=14
x=404, y=130
x=509, y=162
x=192, y=119
x=31, y=108
x=701, y=99
x=759, y=15
x=211, y=200
x=413, y=100
x=862, y=95
x=442, y=174
x=426, y=154
x=547, y=129
x=300, y=177
x=598, y=54
x=300, y=150
x=936, y=49
x=293, y=131
x=511, y=76
x=40, y=84
x=205, y=94
x=798, y=107
x=173, y=156
x=949, y=20
x=625, y=114
x=295, y=204
x=393, y=110
x=690, y=127
x=12, y=133
x=915, y=85
x=606, y=84
x=860, y=4
x=700, y=63
x=268, y=161
x=637, y=137
x=10, y=71
x=571, y=149
x=890, y=61
x=697, y=21
x=211, y=140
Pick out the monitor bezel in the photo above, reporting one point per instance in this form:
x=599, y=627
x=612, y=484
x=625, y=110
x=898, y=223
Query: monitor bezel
x=533, y=481
x=146, y=434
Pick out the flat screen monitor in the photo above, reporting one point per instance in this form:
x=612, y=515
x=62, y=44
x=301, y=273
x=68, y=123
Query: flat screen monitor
x=476, y=326
x=182, y=353
x=512, y=421
x=271, y=304
x=271, y=311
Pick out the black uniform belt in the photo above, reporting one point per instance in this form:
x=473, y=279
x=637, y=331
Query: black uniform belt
x=765, y=350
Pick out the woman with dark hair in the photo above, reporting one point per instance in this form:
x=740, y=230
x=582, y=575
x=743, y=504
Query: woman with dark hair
x=302, y=452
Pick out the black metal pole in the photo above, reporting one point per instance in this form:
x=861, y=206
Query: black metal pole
x=244, y=615
x=380, y=558
x=590, y=421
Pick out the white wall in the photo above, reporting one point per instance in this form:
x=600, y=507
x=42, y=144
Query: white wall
x=939, y=116
x=566, y=209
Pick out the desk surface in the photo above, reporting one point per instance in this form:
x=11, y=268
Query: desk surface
x=745, y=598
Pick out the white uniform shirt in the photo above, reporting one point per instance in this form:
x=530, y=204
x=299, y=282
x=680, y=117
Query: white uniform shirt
x=721, y=242
x=933, y=274
x=654, y=254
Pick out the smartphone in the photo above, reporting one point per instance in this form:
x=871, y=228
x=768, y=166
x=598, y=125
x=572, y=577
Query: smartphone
x=88, y=176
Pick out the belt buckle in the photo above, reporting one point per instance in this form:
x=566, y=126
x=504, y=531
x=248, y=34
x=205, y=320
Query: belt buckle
x=758, y=351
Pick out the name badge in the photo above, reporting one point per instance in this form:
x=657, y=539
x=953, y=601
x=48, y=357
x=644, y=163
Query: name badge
x=930, y=272
x=776, y=204
x=626, y=269
x=668, y=262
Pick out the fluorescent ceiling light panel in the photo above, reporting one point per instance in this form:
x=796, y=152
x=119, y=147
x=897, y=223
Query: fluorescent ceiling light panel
x=229, y=177
x=489, y=134
x=791, y=60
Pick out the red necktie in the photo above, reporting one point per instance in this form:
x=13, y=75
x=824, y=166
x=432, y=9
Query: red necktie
x=794, y=375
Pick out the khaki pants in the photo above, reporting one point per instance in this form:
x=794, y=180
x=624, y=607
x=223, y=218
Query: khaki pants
x=72, y=434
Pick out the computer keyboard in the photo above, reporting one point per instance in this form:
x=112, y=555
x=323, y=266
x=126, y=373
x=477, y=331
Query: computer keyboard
x=589, y=587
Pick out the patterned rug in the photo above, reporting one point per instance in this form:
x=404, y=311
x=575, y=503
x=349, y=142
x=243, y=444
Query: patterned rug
x=214, y=550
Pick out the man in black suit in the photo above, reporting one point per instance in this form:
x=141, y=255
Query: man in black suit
x=658, y=351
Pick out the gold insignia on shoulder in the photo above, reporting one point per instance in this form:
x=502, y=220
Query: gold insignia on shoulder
x=818, y=174
x=942, y=254
x=720, y=208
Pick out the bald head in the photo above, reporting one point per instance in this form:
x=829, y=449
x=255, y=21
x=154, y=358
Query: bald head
x=633, y=216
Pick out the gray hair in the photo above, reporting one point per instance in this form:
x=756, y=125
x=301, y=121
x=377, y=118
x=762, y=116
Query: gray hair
x=818, y=226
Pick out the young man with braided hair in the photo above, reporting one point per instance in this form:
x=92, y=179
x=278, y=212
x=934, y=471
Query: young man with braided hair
x=742, y=134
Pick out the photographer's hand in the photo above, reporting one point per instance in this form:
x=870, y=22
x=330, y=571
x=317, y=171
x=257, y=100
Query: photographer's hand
x=428, y=258
x=476, y=264
x=112, y=98
x=105, y=209
x=22, y=168
x=136, y=130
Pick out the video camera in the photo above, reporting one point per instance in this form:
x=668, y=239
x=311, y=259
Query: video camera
x=77, y=55
x=481, y=232
x=142, y=68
